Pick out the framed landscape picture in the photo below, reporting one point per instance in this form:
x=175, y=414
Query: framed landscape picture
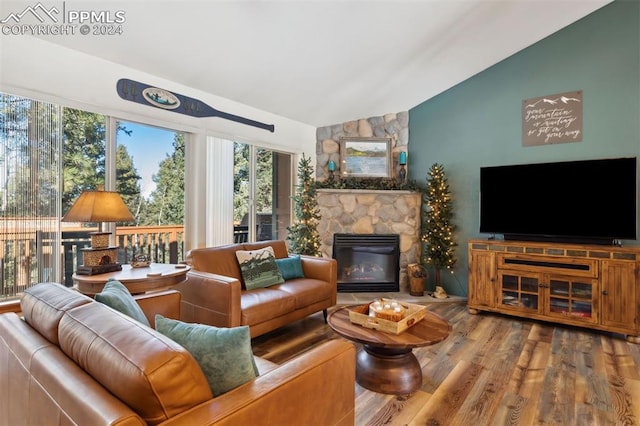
x=365, y=157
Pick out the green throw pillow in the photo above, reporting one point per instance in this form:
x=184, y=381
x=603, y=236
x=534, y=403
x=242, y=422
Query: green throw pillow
x=115, y=295
x=224, y=354
x=259, y=268
x=290, y=267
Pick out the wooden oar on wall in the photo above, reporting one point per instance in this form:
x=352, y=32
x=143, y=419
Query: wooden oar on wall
x=145, y=94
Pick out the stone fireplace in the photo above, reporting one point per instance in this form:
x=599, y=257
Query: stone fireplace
x=358, y=211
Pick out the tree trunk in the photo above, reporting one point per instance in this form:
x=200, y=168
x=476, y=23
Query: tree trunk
x=437, y=277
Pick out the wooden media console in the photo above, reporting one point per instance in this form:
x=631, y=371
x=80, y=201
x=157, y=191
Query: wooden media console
x=592, y=286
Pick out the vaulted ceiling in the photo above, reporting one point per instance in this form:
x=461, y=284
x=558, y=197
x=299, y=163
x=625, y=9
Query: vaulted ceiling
x=325, y=62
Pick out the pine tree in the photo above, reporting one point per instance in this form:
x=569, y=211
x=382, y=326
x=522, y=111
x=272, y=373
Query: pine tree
x=303, y=234
x=165, y=205
x=437, y=229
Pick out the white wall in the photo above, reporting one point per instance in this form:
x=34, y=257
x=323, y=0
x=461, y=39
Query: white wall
x=45, y=71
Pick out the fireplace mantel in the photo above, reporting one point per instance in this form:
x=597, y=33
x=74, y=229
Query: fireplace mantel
x=366, y=191
x=363, y=211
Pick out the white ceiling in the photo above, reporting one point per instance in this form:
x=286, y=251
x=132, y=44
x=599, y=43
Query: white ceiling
x=325, y=62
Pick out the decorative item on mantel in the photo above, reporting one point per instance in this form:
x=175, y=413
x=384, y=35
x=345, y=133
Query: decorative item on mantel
x=97, y=207
x=332, y=169
x=402, y=173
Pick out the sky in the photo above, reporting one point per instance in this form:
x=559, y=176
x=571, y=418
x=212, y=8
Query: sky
x=148, y=146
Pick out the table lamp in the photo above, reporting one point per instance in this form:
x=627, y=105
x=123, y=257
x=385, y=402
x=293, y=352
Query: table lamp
x=97, y=207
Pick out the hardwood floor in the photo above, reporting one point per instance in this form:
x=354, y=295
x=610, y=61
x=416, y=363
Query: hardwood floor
x=496, y=370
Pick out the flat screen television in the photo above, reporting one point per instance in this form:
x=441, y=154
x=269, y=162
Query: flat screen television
x=588, y=202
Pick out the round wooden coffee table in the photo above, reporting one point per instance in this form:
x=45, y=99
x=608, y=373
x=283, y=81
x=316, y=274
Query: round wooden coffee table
x=387, y=364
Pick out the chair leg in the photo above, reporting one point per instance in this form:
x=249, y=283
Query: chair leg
x=324, y=314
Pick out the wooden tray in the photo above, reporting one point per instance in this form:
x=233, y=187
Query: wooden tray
x=360, y=315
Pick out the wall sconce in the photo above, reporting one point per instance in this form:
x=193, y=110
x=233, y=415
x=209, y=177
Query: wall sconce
x=97, y=207
x=402, y=173
x=332, y=169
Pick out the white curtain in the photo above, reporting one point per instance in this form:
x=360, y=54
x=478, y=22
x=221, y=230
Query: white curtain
x=219, y=221
x=30, y=193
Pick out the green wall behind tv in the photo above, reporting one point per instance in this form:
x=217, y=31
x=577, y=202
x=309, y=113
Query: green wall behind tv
x=478, y=122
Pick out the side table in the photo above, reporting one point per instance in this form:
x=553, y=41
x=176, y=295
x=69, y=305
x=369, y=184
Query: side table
x=387, y=364
x=156, y=276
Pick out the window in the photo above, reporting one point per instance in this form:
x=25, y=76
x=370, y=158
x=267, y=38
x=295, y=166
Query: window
x=150, y=167
x=262, y=193
x=48, y=156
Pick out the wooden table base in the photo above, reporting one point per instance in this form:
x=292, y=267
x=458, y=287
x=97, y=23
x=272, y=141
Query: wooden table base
x=386, y=364
x=389, y=371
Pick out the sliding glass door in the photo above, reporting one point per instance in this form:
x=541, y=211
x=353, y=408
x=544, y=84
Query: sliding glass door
x=150, y=175
x=262, y=193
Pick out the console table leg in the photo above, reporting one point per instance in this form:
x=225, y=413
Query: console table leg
x=388, y=371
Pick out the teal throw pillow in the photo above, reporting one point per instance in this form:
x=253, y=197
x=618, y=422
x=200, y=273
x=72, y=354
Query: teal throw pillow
x=115, y=295
x=224, y=354
x=258, y=268
x=290, y=267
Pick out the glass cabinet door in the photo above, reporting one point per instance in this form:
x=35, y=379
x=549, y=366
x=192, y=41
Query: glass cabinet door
x=519, y=291
x=572, y=297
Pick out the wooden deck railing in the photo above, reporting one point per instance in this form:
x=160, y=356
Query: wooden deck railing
x=163, y=244
x=23, y=255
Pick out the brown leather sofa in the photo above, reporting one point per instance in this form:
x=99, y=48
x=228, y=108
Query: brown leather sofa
x=72, y=360
x=214, y=293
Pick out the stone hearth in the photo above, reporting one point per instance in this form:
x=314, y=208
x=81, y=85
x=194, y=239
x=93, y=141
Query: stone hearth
x=372, y=212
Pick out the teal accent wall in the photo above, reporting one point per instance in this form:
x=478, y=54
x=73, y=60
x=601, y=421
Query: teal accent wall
x=479, y=122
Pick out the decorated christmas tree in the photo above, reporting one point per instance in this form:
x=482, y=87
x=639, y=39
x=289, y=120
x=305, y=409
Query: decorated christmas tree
x=437, y=229
x=303, y=234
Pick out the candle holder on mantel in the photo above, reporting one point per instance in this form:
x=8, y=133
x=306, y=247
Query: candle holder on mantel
x=97, y=207
x=332, y=169
x=402, y=173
